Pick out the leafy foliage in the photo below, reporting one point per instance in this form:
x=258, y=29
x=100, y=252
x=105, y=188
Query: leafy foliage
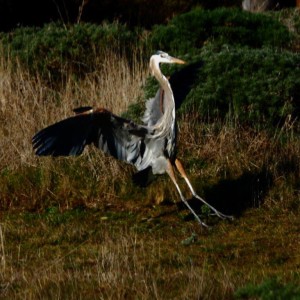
x=190, y=31
x=252, y=85
x=54, y=48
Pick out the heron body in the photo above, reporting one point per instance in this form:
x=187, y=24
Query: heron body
x=150, y=147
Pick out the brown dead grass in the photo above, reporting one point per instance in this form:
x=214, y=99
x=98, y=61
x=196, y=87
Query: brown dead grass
x=229, y=151
x=28, y=104
x=86, y=255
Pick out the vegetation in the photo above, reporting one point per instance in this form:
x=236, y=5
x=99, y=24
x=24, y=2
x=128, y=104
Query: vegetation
x=260, y=87
x=78, y=228
x=270, y=289
x=55, y=50
x=188, y=32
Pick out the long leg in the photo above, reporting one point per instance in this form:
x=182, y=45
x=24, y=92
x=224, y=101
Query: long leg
x=171, y=173
x=181, y=170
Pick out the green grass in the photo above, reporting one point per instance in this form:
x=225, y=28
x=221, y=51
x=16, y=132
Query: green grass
x=93, y=253
x=269, y=289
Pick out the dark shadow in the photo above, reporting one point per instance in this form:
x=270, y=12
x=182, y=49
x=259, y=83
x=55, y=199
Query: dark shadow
x=144, y=177
x=234, y=196
x=183, y=80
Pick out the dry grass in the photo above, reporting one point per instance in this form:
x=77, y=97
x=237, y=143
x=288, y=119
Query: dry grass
x=77, y=228
x=110, y=264
x=86, y=255
x=27, y=104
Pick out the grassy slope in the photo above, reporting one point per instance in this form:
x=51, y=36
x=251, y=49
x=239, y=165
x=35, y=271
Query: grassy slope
x=121, y=252
x=68, y=230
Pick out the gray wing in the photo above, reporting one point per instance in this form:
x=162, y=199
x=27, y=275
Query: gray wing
x=154, y=108
x=116, y=136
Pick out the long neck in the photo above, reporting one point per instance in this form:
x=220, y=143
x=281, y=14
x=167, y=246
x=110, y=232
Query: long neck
x=166, y=122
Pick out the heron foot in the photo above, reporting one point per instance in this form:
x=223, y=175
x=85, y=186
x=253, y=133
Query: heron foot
x=215, y=211
x=222, y=216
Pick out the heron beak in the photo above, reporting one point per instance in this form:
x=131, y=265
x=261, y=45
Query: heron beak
x=175, y=60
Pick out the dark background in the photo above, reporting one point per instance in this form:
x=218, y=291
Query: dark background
x=16, y=13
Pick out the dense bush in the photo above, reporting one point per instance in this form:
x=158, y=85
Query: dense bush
x=54, y=48
x=188, y=32
x=246, y=74
x=260, y=86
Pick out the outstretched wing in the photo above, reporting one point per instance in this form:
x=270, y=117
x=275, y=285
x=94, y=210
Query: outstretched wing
x=116, y=136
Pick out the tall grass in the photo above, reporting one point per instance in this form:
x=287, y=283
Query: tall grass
x=29, y=105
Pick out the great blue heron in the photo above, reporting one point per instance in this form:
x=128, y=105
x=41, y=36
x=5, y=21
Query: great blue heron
x=150, y=147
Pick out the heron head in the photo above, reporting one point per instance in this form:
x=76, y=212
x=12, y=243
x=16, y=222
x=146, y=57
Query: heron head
x=163, y=57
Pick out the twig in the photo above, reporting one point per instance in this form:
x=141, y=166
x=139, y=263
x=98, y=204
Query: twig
x=80, y=10
x=3, y=260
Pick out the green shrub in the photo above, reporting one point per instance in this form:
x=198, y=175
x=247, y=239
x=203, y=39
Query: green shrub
x=270, y=289
x=256, y=86
x=190, y=31
x=54, y=48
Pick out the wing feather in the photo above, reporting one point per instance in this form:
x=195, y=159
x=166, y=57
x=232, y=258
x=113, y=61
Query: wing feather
x=153, y=110
x=114, y=135
x=67, y=137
